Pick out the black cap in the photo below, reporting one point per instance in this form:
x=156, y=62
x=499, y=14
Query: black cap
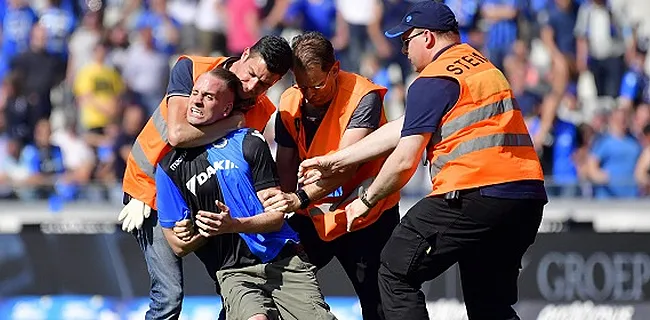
x=430, y=15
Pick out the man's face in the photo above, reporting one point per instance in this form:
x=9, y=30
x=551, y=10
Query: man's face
x=414, y=45
x=255, y=77
x=317, y=86
x=210, y=101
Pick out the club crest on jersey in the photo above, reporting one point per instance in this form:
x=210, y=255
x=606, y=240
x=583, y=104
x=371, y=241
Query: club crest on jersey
x=209, y=172
x=221, y=143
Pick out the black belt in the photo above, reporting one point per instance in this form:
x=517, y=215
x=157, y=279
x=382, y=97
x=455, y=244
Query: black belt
x=290, y=250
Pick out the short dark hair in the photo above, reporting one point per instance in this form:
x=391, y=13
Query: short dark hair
x=312, y=48
x=276, y=53
x=233, y=84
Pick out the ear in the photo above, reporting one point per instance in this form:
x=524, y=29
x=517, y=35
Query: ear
x=336, y=68
x=228, y=109
x=431, y=39
x=245, y=54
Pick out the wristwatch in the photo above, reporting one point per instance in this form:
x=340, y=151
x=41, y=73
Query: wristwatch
x=364, y=198
x=304, y=198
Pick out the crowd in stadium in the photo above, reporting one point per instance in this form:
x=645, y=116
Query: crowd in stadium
x=80, y=79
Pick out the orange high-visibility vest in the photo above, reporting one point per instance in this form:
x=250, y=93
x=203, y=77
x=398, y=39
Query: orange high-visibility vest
x=151, y=144
x=328, y=214
x=483, y=139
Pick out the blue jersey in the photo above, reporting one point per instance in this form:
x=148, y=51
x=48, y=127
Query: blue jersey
x=59, y=25
x=230, y=170
x=16, y=28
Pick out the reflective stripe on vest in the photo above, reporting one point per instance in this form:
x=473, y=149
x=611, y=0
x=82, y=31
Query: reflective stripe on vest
x=141, y=160
x=480, y=114
x=480, y=143
x=160, y=124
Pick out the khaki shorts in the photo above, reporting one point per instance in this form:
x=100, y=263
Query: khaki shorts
x=286, y=289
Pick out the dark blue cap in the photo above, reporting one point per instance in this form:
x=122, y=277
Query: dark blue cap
x=428, y=14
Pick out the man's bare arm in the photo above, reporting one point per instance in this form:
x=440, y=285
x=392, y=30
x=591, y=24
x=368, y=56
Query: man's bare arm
x=324, y=187
x=287, y=160
x=182, y=248
x=184, y=135
x=379, y=143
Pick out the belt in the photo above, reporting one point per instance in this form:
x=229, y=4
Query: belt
x=291, y=249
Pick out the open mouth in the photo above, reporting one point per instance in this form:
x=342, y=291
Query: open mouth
x=196, y=111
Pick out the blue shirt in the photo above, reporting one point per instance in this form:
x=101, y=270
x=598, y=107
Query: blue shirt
x=566, y=143
x=466, y=12
x=154, y=21
x=617, y=157
x=59, y=24
x=16, y=28
x=230, y=170
x=634, y=86
x=46, y=161
x=428, y=100
x=317, y=15
x=501, y=34
x=561, y=21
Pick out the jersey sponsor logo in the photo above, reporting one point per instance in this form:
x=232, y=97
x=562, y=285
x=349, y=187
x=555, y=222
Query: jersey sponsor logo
x=178, y=161
x=210, y=171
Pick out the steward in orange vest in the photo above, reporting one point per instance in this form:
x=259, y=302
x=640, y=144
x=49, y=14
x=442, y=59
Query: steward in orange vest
x=153, y=142
x=488, y=191
x=326, y=110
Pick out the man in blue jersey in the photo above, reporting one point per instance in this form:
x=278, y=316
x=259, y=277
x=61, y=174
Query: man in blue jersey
x=254, y=256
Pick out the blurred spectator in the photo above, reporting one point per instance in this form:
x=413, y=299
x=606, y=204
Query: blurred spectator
x=389, y=13
x=59, y=25
x=146, y=70
x=6, y=190
x=467, y=14
x=16, y=28
x=118, y=38
x=642, y=171
x=635, y=83
x=272, y=14
x=501, y=16
x=600, y=45
x=518, y=70
x=42, y=71
x=44, y=163
x=313, y=15
x=132, y=122
x=243, y=25
x=356, y=16
x=567, y=139
x=641, y=119
x=82, y=44
x=613, y=159
x=569, y=108
x=97, y=88
x=12, y=171
x=210, y=24
x=166, y=30
x=560, y=43
x=184, y=12
x=78, y=158
x=20, y=114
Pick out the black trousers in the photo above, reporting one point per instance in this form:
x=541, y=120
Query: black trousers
x=358, y=252
x=486, y=236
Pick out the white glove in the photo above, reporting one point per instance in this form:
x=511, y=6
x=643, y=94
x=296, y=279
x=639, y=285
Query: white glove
x=133, y=215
